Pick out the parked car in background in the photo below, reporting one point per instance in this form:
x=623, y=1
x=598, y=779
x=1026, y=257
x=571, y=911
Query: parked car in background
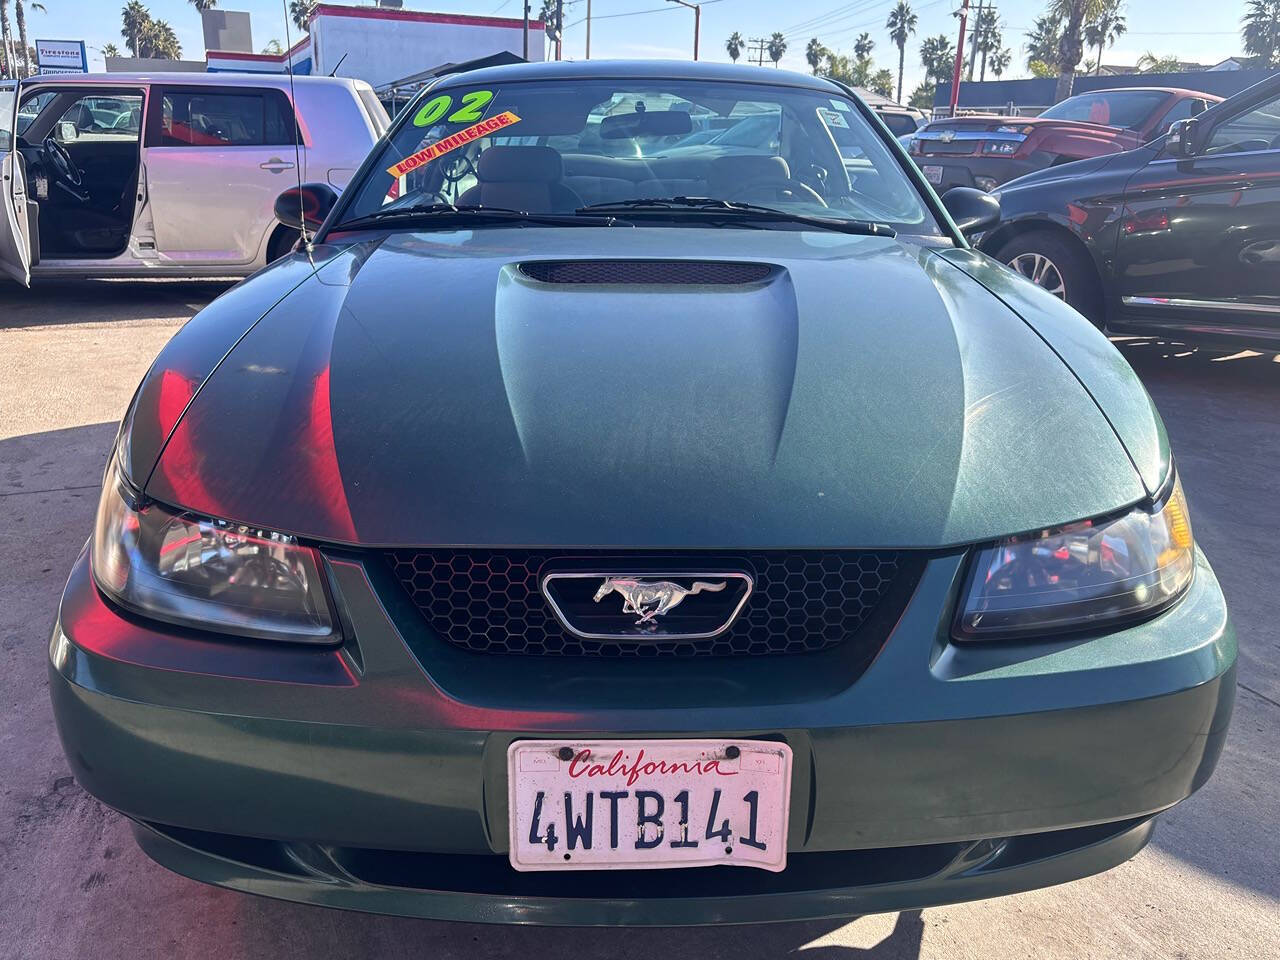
x=986, y=151
x=901, y=121
x=1179, y=237
x=168, y=174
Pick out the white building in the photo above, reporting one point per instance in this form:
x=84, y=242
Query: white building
x=380, y=45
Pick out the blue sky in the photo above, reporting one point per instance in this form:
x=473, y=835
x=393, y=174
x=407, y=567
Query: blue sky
x=1190, y=29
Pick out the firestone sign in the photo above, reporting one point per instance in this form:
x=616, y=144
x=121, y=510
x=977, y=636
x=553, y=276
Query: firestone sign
x=61, y=56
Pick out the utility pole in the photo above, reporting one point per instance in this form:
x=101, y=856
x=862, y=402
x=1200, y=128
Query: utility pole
x=973, y=43
x=559, y=29
x=588, y=29
x=758, y=44
x=526, y=29
x=697, y=21
x=955, y=75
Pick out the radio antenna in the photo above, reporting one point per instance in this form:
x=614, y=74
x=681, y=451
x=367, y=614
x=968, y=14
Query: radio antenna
x=297, y=148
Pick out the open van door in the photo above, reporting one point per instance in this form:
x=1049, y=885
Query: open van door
x=15, y=242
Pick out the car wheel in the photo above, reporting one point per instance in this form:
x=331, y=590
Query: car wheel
x=1057, y=267
x=281, y=244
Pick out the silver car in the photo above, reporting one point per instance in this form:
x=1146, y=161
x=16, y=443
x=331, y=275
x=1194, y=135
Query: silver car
x=168, y=174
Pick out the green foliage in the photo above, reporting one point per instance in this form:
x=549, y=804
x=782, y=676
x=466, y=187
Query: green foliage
x=1106, y=27
x=1260, y=31
x=938, y=57
x=922, y=96
x=734, y=45
x=776, y=47
x=881, y=82
x=147, y=37
x=1042, y=41
x=300, y=13
x=816, y=54
x=1151, y=63
x=1040, y=69
x=863, y=46
x=901, y=24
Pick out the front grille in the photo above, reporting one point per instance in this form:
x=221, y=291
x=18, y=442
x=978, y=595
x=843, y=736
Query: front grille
x=490, y=601
x=655, y=272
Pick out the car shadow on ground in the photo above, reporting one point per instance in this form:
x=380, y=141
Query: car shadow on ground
x=99, y=301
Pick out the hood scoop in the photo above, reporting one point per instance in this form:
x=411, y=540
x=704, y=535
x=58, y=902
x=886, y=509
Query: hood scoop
x=649, y=272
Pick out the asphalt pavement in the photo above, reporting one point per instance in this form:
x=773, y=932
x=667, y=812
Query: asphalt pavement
x=74, y=885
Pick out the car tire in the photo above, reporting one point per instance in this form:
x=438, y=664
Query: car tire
x=1058, y=266
x=281, y=243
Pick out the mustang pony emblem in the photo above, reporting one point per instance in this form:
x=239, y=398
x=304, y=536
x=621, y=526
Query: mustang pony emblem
x=650, y=599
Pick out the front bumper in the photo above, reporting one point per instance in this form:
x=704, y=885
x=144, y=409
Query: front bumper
x=961, y=171
x=357, y=778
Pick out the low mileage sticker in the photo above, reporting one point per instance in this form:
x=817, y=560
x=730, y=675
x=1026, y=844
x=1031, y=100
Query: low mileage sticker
x=452, y=142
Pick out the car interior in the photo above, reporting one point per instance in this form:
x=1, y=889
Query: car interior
x=81, y=151
x=569, y=160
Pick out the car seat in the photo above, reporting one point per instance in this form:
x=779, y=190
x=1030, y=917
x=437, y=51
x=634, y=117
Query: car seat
x=521, y=178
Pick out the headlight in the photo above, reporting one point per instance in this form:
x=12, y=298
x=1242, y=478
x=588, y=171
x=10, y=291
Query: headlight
x=207, y=574
x=1081, y=576
x=1000, y=148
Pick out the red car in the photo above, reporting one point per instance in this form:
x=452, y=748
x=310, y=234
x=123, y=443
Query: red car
x=986, y=151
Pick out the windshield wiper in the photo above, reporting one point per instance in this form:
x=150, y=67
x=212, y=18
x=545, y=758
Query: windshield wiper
x=734, y=208
x=437, y=213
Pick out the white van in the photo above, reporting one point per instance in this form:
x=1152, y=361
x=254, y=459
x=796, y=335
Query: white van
x=126, y=175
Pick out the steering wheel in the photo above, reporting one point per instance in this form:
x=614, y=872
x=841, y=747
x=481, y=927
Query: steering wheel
x=781, y=188
x=62, y=163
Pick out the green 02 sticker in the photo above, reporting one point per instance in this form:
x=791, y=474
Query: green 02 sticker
x=470, y=109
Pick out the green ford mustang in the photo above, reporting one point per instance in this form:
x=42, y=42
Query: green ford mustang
x=636, y=504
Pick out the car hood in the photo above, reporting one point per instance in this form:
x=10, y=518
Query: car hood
x=422, y=389
x=1071, y=171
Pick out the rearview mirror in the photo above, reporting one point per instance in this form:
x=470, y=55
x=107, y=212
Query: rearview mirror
x=646, y=123
x=972, y=210
x=1181, y=141
x=305, y=206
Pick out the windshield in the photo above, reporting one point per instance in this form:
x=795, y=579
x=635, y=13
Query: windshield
x=551, y=147
x=1115, y=108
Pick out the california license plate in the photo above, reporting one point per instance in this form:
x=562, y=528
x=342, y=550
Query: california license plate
x=932, y=173
x=647, y=804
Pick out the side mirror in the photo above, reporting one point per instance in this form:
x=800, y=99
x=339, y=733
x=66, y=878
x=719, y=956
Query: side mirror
x=305, y=206
x=1181, y=141
x=972, y=210
x=67, y=131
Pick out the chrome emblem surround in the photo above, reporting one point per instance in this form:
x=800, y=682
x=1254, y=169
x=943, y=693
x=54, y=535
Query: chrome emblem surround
x=649, y=596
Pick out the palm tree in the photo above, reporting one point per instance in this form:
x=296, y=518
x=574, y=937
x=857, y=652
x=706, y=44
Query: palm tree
x=204, y=4
x=734, y=45
x=936, y=56
x=300, y=13
x=110, y=50
x=134, y=19
x=1000, y=61
x=863, y=46
x=881, y=82
x=1261, y=31
x=777, y=47
x=1073, y=14
x=1105, y=29
x=989, y=38
x=816, y=54
x=6, y=41
x=901, y=25
x=1043, y=39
